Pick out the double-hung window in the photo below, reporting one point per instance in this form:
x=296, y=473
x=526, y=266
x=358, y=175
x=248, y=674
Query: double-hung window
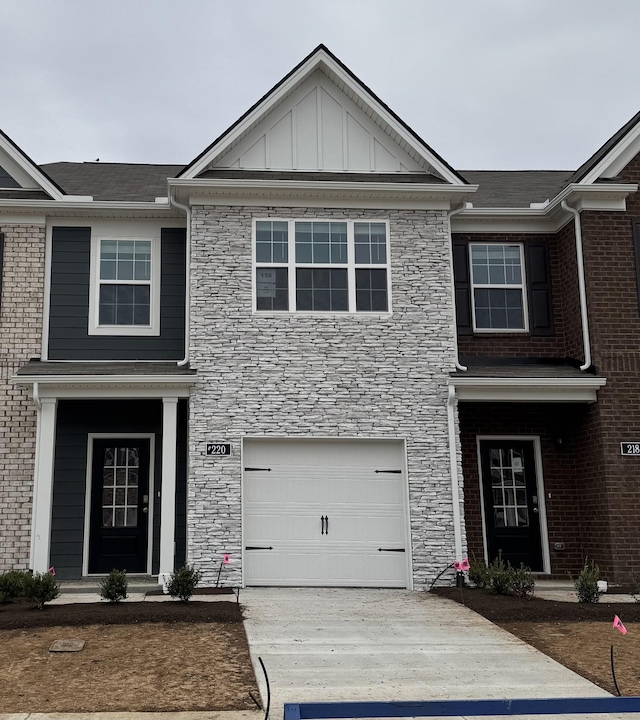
x=498, y=287
x=321, y=266
x=125, y=292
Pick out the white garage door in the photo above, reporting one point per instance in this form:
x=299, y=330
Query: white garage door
x=325, y=512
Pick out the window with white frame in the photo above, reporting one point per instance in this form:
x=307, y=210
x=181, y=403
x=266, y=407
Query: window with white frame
x=125, y=292
x=498, y=287
x=321, y=266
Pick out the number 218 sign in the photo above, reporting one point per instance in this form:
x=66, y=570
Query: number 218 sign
x=630, y=448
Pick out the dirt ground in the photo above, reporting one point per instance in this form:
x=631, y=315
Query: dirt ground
x=577, y=635
x=147, y=656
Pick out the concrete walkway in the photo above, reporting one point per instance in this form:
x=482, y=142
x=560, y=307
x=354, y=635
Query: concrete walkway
x=348, y=644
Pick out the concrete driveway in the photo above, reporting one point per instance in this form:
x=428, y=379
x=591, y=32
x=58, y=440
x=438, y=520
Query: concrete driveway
x=347, y=644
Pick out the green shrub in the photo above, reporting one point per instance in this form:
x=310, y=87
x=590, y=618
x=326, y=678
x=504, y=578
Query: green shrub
x=479, y=573
x=41, y=588
x=12, y=585
x=114, y=587
x=586, y=584
x=523, y=583
x=183, y=581
x=501, y=576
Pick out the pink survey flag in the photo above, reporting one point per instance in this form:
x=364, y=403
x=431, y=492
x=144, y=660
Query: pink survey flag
x=462, y=565
x=52, y=571
x=225, y=558
x=617, y=623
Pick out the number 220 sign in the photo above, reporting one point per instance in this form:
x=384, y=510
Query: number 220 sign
x=630, y=448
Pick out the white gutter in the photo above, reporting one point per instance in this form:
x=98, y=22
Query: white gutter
x=581, y=285
x=453, y=467
x=456, y=359
x=187, y=280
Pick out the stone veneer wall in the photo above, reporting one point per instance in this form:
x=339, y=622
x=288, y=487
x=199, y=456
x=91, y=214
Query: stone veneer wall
x=20, y=339
x=295, y=375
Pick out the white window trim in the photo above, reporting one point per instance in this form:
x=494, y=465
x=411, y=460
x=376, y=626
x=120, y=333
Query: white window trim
x=521, y=286
x=153, y=329
x=350, y=266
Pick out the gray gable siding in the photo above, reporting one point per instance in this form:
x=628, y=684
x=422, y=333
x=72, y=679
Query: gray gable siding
x=69, y=303
x=76, y=419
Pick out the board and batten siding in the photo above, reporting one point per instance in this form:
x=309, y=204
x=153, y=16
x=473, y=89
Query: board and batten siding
x=318, y=376
x=76, y=420
x=69, y=338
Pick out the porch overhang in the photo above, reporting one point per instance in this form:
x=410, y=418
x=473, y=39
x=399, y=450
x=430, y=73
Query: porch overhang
x=567, y=385
x=109, y=380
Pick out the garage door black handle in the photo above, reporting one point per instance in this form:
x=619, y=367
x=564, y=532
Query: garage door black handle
x=390, y=549
x=326, y=525
x=257, y=547
x=321, y=524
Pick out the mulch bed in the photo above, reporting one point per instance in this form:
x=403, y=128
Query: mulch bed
x=502, y=609
x=19, y=616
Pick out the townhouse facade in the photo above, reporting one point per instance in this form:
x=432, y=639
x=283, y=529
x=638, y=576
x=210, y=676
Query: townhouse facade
x=321, y=351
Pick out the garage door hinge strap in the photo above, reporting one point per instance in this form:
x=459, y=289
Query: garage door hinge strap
x=257, y=469
x=395, y=472
x=390, y=549
x=257, y=547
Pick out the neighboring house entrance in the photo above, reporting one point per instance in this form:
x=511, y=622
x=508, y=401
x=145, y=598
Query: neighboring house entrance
x=325, y=512
x=512, y=502
x=119, y=516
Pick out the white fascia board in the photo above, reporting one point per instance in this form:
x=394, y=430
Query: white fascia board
x=607, y=197
x=314, y=63
x=30, y=169
x=22, y=219
x=553, y=390
x=434, y=196
x=489, y=220
x=104, y=208
x=108, y=386
x=617, y=158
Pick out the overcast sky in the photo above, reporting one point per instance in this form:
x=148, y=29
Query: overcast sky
x=489, y=84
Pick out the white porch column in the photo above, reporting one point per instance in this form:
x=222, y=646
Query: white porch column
x=168, y=492
x=43, y=485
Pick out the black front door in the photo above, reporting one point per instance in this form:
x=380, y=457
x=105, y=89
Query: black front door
x=119, y=521
x=511, y=503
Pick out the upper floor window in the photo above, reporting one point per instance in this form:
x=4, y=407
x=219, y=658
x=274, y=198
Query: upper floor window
x=125, y=287
x=498, y=287
x=321, y=266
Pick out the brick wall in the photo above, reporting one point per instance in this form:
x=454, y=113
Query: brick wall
x=519, y=345
x=570, y=504
x=295, y=375
x=20, y=339
x=614, y=320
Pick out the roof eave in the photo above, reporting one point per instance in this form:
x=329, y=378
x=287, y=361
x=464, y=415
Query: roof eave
x=237, y=191
x=547, y=390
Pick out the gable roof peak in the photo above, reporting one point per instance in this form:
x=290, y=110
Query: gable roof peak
x=355, y=93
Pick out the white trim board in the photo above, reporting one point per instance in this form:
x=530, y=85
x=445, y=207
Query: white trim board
x=498, y=389
x=321, y=60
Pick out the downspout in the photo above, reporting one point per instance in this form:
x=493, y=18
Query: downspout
x=581, y=286
x=187, y=282
x=38, y=404
x=453, y=468
x=451, y=405
x=456, y=359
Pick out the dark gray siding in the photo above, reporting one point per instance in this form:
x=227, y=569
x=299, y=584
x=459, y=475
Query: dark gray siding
x=78, y=418
x=69, y=303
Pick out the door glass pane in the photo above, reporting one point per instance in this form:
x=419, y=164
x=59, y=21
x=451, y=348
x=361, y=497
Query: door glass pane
x=120, y=503
x=508, y=488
